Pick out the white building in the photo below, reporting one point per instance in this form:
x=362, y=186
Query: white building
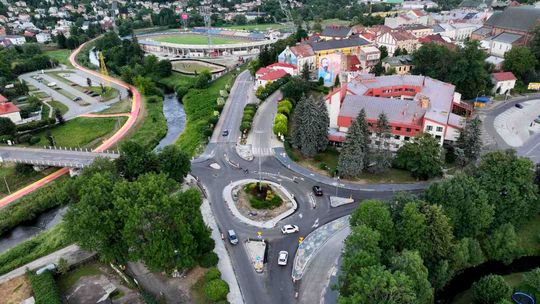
x=14, y=39
x=455, y=31
x=502, y=43
x=9, y=110
x=43, y=37
x=503, y=82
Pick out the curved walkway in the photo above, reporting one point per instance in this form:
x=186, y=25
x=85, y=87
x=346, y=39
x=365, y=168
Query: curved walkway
x=135, y=108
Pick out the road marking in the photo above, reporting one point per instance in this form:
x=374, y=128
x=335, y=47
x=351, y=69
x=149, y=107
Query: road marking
x=316, y=224
x=300, y=215
x=535, y=146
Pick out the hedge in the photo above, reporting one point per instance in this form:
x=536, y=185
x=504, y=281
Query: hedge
x=247, y=117
x=44, y=287
x=272, y=87
x=216, y=290
x=36, y=124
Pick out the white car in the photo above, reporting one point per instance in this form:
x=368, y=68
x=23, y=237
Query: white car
x=287, y=229
x=282, y=258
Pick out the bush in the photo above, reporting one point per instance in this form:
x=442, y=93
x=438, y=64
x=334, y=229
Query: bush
x=153, y=99
x=44, y=288
x=25, y=138
x=247, y=117
x=216, y=290
x=209, y=259
x=34, y=140
x=36, y=124
x=181, y=91
x=24, y=169
x=271, y=88
x=212, y=274
x=491, y=289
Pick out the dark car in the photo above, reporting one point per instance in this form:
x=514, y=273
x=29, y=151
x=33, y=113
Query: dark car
x=519, y=106
x=77, y=98
x=317, y=190
x=225, y=133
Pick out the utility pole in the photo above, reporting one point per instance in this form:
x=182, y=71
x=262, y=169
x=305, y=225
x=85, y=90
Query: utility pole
x=7, y=186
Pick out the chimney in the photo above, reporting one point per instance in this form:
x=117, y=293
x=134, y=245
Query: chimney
x=424, y=102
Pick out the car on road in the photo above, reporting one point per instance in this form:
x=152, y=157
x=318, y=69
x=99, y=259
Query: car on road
x=51, y=84
x=282, y=258
x=317, y=190
x=519, y=106
x=232, y=237
x=225, y=133
x=537, y=120
x=288, y=229
x=77, y=98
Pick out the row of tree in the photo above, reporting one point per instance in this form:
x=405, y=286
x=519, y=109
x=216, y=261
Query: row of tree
x=403, y=250
x=21, y=59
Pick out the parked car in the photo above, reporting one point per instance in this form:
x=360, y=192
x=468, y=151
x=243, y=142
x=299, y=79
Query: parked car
x=51, y=84
x=77, y=98
x=317, y=190
x=282, y=258
x=50, y=267
x=232, y=237
x=225, y=133
x=288, y=229
x=519, y=106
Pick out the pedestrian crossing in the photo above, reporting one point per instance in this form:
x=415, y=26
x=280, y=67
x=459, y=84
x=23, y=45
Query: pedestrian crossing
x=262, y=151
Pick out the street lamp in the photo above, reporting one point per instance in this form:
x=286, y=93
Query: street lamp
x=337, y=182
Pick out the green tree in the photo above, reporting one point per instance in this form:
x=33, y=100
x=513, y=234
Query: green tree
x=422, y=157
x=163, y=68
x=305, y=72
x=382, y=157
x=521, y=61
x=465, y=203
x=411, y=264
x=376, y=215
x=413, y=229
x=7, y=127
x=174, y=162
x=468, y=72
x=439, y=235
x=280, y=125
x=354, y=156
x=310, y=126
x=467, y=253
x=240, y=19
x=470, y=141
x=502, y=244
x=136, y=160
x=216, y=290
x=433, y=60
x=534, y=43
x=384, y=51
x=202, y=81
x=532, y=278
x=491, y=289
x=508, y=182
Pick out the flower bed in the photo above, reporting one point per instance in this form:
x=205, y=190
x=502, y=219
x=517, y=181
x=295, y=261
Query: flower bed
x=262, y=196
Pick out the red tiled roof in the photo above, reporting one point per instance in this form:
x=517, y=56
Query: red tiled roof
x=503, y=76
x=8, y=107
x=402, y=35
x=3, y=99
x=262, y=71
x=274, y=75
x=282, y=64
x=302, y=50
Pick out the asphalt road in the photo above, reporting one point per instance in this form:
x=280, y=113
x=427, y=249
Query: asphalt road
x=262, y=137
x=275, y=284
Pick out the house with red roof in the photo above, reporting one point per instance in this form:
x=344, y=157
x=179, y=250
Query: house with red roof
x=299, y=55
x=266, y=75
x=291, y=69
x=9, y=110
x=503, y=82
x=397, y=39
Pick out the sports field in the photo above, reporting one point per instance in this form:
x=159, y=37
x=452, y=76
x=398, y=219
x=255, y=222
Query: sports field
x=195, y=39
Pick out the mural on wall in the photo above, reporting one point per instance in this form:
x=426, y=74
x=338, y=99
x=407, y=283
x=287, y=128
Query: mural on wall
x=287, y=57
x=329, y=67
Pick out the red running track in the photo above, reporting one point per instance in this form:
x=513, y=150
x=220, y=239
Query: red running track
x=132, y=117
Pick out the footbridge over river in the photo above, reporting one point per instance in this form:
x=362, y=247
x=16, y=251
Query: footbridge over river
x=53, y=156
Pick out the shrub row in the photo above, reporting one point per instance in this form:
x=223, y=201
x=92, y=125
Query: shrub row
x=215, y=289
x=247, y=118
x=36, y=124
x=44, y=287
x=270, y=88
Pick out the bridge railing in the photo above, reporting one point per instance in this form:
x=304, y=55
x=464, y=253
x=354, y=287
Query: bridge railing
x=76, y=149
x=48, y=163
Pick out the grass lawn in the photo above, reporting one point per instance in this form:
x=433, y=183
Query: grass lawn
x=66, y=281
x=41, y=245
x=16, y=181
x=61, y=55
x=326, y=162
x=66, y=93
x=257, y=27
x=151, y=124
x=122, y=106
x=58, y=105
x=176, y=79
x=81, y=132
x=195, y=39
x=199, y=107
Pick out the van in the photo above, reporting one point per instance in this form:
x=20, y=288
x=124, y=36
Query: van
x=232, y=237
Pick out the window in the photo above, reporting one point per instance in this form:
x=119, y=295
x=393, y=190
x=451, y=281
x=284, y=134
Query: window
x=396, y=137
x=408, y=129
x=398, y=128
x=407, y=138
x=429, y=128
x=438, y=137
x=439, y=129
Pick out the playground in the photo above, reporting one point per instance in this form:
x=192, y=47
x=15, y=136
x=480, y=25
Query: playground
x=195, y=39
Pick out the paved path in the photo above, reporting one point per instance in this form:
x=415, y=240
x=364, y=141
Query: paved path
x=261, y=138
x=108, y=143
x=72, y=254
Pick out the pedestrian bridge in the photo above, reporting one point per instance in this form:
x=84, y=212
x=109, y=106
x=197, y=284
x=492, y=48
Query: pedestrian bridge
x=53, y=156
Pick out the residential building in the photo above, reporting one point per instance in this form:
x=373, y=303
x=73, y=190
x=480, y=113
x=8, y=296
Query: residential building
x=266, y=75
x=520, y=20
x=299, y=55
x=455, y=31
x=43, y=37
x=437, y=39
x=419, y=5
x=413, y=104
x=418, y=30
x=9, y=110
x=402, y=64
x=290, y=69
x=14, y=39
x=410, y=17
x=503, y=82
x=336, y=32
x=344, y=46
x=503, y=43
x=369, y=56
x=397, y=39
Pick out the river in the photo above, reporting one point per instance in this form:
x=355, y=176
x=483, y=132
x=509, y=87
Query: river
x=176, y=121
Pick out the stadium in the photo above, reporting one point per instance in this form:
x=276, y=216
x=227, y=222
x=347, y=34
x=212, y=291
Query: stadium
x=194, y=43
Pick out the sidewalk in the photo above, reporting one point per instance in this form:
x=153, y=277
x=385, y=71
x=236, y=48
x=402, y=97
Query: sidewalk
x=72, y=254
